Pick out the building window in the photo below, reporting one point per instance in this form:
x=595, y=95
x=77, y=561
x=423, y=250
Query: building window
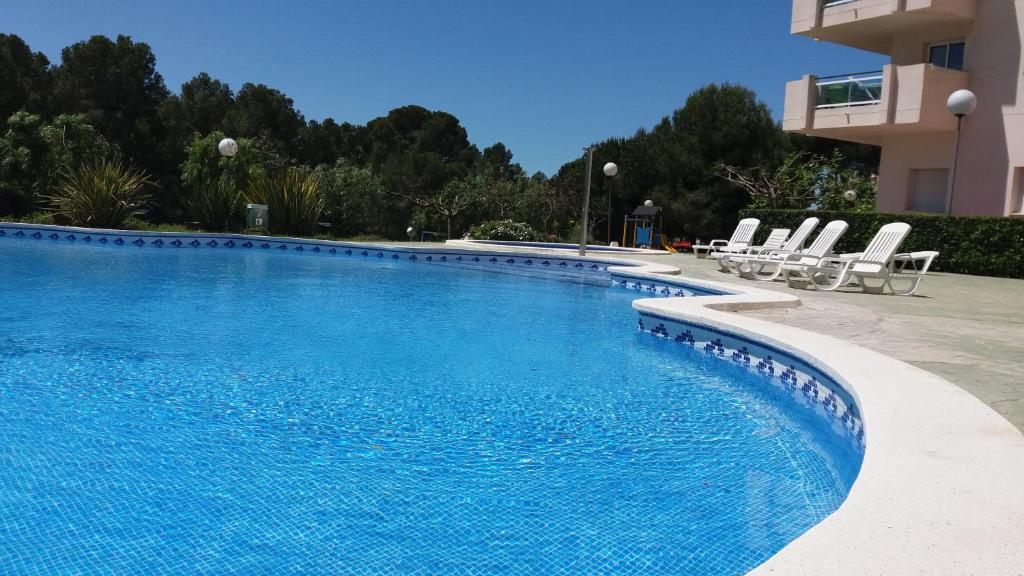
x=947, y=55
x=928, y=190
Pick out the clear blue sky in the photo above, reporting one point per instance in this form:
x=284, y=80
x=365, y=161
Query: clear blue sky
x=546, y=77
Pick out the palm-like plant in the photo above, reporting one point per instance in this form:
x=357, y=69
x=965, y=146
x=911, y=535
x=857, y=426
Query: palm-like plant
x=100, y=193
x=293, y=200
x=217, y=206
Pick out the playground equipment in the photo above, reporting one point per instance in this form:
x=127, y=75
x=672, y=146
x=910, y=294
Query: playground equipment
x=641, y=224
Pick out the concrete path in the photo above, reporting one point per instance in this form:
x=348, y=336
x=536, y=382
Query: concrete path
x=966, y=329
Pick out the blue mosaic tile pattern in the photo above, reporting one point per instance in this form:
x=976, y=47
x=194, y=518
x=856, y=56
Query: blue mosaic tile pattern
x=661, y=288
x=809, y=387
x=564, y=267
x=237, y=410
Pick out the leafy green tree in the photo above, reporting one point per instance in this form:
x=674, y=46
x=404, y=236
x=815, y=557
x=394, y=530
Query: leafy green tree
x=417, y=152
x=72, y=139
x=805, y=181
x=33, y=153
x=204, y=163
x=116, y=84
x=26, y=168
x=495, y=163
x=215, y=184
x=456, y=197
x=24, y=78
x=355, y=201
x=326, y=142
x=263, y=112
x=204, y=103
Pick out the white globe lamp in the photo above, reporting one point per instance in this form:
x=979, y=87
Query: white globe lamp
x=227, y=147
x=850, y=195
x=648, y=203
x=962, y=102
x=410, y=232
x=611, y=169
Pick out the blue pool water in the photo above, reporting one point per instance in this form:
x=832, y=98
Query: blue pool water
x=218, y=412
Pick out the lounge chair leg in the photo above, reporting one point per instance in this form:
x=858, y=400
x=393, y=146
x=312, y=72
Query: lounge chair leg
x=867, y=288
x=911, y=288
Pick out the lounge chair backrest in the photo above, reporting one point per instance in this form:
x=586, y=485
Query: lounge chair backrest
x=826, y=239
x=776, y=238
x=882, y=247
x=797, y=240
x=744, y=232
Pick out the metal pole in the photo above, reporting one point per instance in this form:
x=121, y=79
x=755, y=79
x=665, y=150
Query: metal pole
x=952, y=174
x=586, y=200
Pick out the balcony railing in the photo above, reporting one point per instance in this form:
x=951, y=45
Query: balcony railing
x=831, y=3
x=850, y=90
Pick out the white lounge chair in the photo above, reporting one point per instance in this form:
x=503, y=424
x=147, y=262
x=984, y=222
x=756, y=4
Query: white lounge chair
x=794, y=244
x=775, y=240
x=741, y=238
x=769, y=267
x=876, y=263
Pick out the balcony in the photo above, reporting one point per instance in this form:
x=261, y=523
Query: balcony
x=868, y=106
x=872, y=24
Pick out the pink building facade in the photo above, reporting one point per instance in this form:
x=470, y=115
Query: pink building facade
x=936, y=47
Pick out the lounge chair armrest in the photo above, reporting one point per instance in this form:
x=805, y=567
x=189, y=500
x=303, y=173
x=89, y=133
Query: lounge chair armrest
x=716, y=243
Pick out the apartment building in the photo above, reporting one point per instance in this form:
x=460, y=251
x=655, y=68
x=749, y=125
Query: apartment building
x=935, y=47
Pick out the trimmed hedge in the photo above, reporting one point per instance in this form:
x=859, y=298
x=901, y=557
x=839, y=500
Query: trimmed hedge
x=979, y=245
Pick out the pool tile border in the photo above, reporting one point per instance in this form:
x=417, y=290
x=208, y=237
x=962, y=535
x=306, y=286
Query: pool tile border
x=810, y=387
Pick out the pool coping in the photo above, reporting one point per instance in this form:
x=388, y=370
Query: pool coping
x=941, y=486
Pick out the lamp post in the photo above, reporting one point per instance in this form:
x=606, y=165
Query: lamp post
x=960, y=104
x=610, y=169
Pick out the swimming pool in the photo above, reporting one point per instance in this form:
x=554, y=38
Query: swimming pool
x=220, y=411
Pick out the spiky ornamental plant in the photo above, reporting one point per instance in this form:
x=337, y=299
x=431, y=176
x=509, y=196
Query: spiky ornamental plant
x=100, y=193
x=293, y=201
x=218, y=206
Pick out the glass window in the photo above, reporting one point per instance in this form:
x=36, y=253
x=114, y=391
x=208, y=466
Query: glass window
x=956, y=56
x=947, y=55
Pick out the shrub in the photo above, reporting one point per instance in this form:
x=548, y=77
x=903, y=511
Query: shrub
x=141, y=225
x=505, y=230
x=980, y=245
x=100, y=193
x=293, y=200
x=217, y=206
x=33, y=218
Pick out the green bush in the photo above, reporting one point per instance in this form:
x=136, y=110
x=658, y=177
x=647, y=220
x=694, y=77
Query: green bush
x=506, y=230
x=100, y=193
x=979, y=245
x=293, y=199
x=217, y=206
x=33, y=218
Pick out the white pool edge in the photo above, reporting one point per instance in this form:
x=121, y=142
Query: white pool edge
x=941, y=487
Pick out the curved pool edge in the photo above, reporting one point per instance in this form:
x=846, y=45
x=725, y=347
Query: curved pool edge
x=941, y=486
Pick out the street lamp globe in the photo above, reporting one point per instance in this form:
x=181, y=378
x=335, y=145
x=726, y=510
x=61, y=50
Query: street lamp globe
x=962, y=102
x=227, y=147
x=611, y=169
x=648, y=203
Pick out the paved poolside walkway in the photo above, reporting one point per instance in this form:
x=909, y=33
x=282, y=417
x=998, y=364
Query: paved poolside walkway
x=966, y=329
